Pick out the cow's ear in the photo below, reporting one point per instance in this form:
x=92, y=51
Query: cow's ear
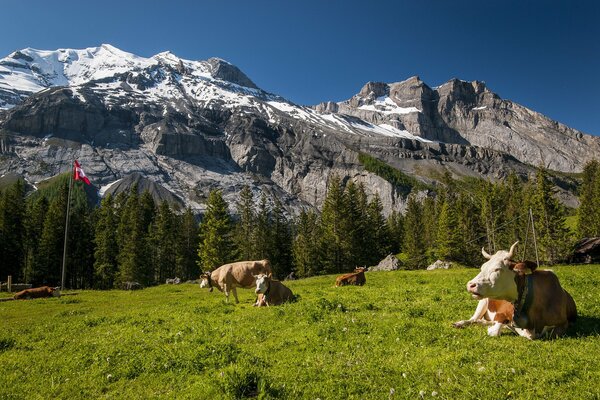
x=509, y=263
x=525, y=267
x=270, y=275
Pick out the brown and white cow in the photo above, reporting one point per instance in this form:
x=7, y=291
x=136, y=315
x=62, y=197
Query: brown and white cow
x=353, y=278
x=541, y=306
x=496, y=313
x=35, y=293
x=271, y=292
x=228, y=277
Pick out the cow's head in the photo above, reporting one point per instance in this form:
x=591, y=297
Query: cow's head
x=262, y=283
x=497, y=278
x=56, y=291
x=205, y=281
x=360, y=269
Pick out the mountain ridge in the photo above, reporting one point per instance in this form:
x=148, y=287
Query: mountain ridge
x=191, y=126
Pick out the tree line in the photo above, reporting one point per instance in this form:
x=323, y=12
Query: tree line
x=130, y=238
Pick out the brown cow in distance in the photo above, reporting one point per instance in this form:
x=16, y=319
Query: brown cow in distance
x=354, y=278
x=271, y=292
x=35, y=293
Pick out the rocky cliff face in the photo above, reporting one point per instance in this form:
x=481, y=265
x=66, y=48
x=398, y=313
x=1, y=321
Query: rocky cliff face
x=191, y=126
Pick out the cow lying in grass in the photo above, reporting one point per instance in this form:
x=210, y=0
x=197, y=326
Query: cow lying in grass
x=496, y=313
x=36, y=293
x=541, y=306
x=239, y=274
x=271, y=292
x=353, y=278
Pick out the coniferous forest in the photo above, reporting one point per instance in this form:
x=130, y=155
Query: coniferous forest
x=130, y=238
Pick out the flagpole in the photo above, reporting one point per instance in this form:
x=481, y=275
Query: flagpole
x=64, y=260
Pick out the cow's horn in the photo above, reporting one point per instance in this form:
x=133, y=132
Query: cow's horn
x=512, y=250
x=485, y=254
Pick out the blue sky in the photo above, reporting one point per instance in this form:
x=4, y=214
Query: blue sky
x=542, y=54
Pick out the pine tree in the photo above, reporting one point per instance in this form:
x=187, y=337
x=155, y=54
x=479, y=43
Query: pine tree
x=245, y=227
x=553, y=236
x=80, y=248
x=163, y=240
x=12, y=231
x=49, y=263
x=414, y=235
x=106, y=248
x=588, y=215
x=306, y=250
x=34, y=226
x=187, y=245
x=261, y=238
x=379, y=238
x=447, y=241
x=359, y=234
x=132, y=235
x=334, y=241
x=395, y=227
x=216, y=241
x=281, y=242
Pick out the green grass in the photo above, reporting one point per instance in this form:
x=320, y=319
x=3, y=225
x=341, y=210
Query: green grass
x=391, y=338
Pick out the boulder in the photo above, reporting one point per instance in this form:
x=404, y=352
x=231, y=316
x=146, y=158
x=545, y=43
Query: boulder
x=439, y=264
x=390, y=263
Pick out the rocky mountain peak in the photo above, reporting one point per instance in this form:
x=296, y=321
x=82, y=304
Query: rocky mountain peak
x=221, y=69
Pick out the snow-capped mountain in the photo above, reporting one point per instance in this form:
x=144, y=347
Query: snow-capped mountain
x=194, y=125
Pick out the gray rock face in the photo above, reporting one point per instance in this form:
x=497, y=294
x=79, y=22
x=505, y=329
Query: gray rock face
x=390, y=263
x=190, y=127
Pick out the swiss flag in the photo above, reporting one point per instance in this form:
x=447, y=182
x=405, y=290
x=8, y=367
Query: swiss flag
x=80, y=175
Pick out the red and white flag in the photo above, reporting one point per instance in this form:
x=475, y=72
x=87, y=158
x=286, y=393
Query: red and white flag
x=80, y=175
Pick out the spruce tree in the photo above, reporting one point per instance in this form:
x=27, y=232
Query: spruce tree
x=306, y=249
x=163, y=240
x=414, y=235
x=334, y=241
x=448, y=238
x=395, y=227
x=132, y=236
x=553, y=236
x=245, y=227
x=379, y=243
x=12, y=231
x=47, y=270
x=187, y=245
x=34, y=226
x=281, y=241
x=588, y=214
x=216, y=243
x=106, y=248
x=261, y=237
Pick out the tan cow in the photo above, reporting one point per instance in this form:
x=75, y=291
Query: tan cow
x=541, y=306
x=353, y=278
x=271, y=292
x=497, y=313
x=228, y=277
x=34, y=293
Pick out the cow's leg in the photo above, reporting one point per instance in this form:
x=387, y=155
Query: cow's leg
x=526, y=333
x=495, y=329
x=477, y=317
x=226, y=290
x=235, y=294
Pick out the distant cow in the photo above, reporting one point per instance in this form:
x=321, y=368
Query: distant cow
x=271, y=292
x=541, y=306
x=239, y=274
x=35, y=293
x=354, y=278
x=496, y=313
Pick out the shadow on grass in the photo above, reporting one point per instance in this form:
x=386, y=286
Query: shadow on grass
x=584, y=326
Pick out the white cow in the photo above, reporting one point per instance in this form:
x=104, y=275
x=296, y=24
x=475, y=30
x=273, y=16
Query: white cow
x=541, y=306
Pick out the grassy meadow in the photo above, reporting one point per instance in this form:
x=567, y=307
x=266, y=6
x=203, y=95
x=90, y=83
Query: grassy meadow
x=391, y=339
